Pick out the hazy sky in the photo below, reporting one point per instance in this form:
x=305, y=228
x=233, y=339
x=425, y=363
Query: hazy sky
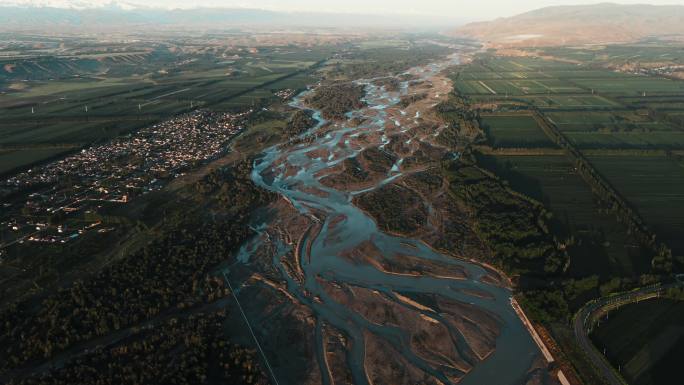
x=481, y=9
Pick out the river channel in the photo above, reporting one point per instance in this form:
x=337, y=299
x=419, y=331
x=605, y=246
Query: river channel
x=290, y=170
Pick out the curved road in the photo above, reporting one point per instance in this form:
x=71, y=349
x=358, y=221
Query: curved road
x=585, y=319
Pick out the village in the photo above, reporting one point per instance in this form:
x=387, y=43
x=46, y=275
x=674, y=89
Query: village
x=59, y=201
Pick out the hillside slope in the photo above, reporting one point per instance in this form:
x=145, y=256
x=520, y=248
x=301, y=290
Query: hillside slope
x=592, y=24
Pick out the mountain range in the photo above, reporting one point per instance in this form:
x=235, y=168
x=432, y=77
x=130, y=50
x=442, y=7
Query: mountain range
x=584, y=24
x=41, y=15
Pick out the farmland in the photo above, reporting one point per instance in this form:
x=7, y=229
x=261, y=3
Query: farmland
x=600, y=143
x=627, y=140
x=515, y=87
x=514, y=131
x=645, y=340
x=595, y=110
x=75, y=99
x=605, y=121
x=13, y=159
x=633, y=85
x=603, y=247
x=655, y=185
x=579, y=102
x=661, y=58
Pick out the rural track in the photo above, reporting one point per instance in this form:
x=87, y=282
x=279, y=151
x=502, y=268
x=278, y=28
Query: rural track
x=583, y=322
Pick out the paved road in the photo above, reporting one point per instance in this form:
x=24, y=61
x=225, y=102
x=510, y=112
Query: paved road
x=584, y=322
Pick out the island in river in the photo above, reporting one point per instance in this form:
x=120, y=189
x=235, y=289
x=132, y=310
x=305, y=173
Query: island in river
x=337, y=291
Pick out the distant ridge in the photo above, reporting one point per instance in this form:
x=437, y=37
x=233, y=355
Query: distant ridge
x=120, y=16
x=581, y=24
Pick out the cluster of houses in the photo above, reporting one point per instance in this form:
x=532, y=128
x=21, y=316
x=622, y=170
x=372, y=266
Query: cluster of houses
x=675, y=71
x=285, y=94
x=115, y=172
x=665, y=70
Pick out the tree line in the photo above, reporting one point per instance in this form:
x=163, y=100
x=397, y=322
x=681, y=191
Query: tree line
x=336, y=99
x=170, y=274
x=181, y=351
x=662, y=259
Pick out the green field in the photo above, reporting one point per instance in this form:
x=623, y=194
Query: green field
x=666, y=104
x=645, y=340
x=513, y=64
x=577, y=102
x=656, y=52
x=633, y=85
x=70, y=132
x=12, y=159
x=606, y=121
x=514, y=131
x=473, y=87
x=482, y=74
x=595, y=109
x=582, y=73
x=631, y=129
x=627, y=140
x=604, y=248
x=78, y=111
x=655, y=186
x=515, y=87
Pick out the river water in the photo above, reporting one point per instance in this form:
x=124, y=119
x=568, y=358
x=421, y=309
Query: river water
x=289, y=170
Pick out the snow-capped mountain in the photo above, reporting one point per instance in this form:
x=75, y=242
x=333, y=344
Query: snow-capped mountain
x=72, y=4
